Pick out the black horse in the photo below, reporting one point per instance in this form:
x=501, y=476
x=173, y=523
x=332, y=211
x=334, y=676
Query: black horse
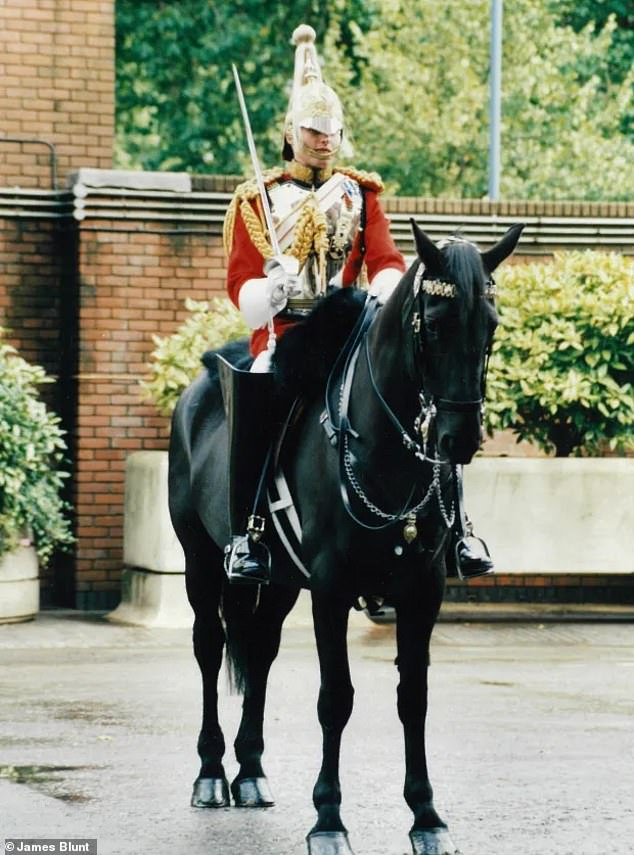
x=369, y=460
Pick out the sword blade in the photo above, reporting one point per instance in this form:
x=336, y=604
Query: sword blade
x=259, y=178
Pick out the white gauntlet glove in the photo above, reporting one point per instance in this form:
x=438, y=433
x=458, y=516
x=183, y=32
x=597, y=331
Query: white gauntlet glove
x=282, y=281
x=384, y=283
x=261, y=299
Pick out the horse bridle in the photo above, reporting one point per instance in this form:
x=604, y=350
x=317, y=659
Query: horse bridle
x=339, y=431
x=431, y=404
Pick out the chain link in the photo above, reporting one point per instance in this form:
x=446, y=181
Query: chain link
x=434, y=487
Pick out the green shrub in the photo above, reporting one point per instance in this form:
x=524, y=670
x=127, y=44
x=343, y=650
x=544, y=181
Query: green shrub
x=176, y=358
x=562, y=366
x=31, y=454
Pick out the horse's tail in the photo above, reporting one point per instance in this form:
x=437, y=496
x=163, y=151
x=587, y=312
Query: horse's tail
x=237, y=608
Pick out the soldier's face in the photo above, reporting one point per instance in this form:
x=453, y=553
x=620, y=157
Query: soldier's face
x=317, y=149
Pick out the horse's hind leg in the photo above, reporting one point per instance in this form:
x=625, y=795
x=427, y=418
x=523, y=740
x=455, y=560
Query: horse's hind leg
x=330, y=616
x=203, y=576
x=250, y=787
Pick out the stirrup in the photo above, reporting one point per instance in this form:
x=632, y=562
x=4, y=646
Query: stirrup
x=471, y=566
x=247, y=561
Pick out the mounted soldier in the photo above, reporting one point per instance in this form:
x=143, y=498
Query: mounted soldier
x=295, y=234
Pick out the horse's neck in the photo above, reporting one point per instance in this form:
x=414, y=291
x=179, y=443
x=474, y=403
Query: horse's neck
x=390, y=351
x=381, y=384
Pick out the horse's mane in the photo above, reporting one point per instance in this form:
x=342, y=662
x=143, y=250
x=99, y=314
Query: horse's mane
x=306, y=353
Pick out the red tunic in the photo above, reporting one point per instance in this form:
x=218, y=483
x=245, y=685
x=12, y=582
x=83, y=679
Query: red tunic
x=245, y=262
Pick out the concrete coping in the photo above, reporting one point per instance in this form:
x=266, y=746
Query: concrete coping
x=177, y=182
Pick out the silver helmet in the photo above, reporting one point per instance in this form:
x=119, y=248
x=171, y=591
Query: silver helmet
x=313, y=104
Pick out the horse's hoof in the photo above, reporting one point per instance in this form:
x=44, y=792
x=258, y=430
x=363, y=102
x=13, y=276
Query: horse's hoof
x=432, y=841
x=328, y=843
x=210, y=793
x=252, y=793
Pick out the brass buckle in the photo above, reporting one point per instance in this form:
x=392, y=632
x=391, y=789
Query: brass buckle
x=255, y=527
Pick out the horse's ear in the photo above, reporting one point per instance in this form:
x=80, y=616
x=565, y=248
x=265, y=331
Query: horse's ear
x=493, y=257
x=427, y=250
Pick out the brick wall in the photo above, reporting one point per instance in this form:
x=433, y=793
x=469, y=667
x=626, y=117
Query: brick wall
x=547, y=588
x=56, y=86
x=132, y=285
x=30, y=293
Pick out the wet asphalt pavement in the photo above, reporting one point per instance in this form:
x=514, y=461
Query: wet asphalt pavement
x=530, y=733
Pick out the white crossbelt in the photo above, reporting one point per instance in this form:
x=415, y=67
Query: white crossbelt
x=326, y=196
x=284, y=504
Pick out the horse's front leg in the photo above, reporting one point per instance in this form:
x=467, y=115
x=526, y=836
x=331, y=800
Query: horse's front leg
x=415, y=620
x=250, y=788
x=330, y=616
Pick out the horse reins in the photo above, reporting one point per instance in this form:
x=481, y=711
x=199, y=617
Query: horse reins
x=340, y=431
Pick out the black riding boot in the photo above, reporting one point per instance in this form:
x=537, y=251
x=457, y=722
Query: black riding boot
x=249, y=410
x=470, y=553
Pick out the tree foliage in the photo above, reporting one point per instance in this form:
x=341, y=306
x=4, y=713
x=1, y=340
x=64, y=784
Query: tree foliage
x=617, y=15
x=617, y=18
x=176, y=103
x=413, y=80
x=422, y=118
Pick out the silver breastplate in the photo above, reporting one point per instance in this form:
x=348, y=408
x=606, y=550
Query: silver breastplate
x=341, y=201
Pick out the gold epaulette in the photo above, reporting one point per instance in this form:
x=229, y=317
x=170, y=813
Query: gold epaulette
x=249, y=188
x=368, y=180
x=243, y=195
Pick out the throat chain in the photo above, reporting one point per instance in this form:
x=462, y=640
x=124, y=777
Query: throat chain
x=434, y=488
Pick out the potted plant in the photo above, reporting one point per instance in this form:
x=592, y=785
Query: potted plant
x=176, y=358
x=562, y=366
x=33, y=514
x=561, y=376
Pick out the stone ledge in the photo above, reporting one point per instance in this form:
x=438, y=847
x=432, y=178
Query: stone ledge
x=149, y=540
x=153, y=600
x=124, y=179
x=553, y=515
x=539, y=516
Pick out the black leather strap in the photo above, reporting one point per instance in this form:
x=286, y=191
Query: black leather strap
x=460, y=524
x=342, y=373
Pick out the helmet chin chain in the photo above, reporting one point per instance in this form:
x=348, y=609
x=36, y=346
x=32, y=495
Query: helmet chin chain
x=301, y=150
